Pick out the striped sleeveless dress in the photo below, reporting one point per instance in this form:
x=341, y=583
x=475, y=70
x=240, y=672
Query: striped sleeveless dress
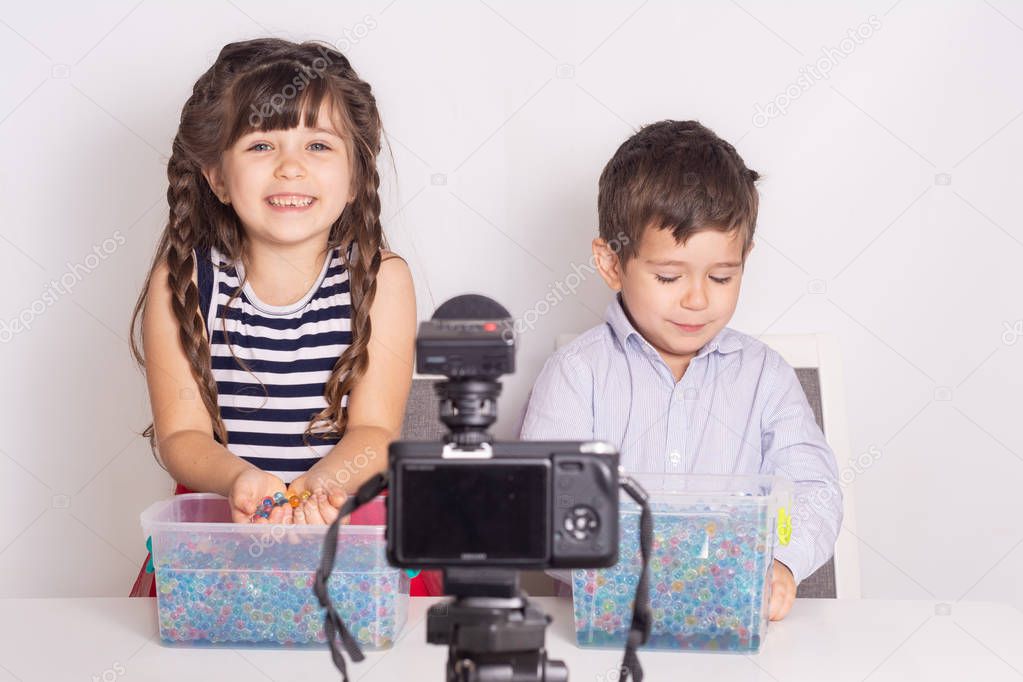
x=290, y=351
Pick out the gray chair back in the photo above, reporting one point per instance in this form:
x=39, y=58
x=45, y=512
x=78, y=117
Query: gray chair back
x=820, y=583
x=421, y=413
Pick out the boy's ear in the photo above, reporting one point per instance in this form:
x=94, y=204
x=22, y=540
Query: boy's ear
x=608, y=263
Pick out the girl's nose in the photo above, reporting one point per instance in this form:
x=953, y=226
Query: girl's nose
x=290, y=167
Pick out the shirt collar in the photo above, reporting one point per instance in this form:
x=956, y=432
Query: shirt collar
x=725, y=341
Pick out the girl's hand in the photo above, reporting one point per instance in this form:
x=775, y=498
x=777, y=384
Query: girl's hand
x=247, y=493
x=327, y=496
x=783, y=591
x=325, y=499
x=316, y=510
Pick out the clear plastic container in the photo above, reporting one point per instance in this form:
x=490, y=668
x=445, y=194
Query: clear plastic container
x=220, y=583
x=714, y=539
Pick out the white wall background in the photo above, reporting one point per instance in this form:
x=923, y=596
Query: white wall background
x=889, y=219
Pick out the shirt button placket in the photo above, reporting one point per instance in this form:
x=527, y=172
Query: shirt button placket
x=676, y=433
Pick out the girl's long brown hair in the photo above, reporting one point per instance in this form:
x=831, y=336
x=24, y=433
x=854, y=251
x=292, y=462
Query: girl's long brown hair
x=267, y=84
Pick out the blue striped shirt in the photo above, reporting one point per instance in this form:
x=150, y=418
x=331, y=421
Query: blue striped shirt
x=290, y=350
x=739, y=408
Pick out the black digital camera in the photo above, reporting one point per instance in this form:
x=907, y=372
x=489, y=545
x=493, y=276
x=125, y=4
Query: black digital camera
x=515, y=505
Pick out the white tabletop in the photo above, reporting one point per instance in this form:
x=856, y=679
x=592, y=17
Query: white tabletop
x=116, y=640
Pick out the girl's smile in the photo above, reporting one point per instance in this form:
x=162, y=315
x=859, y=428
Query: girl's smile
x=290, y=203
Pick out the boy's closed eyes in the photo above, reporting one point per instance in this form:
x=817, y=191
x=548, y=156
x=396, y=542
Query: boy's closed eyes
x=678, y=296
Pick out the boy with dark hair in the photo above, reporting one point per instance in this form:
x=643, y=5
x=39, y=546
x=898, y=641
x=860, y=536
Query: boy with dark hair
x=664, y=379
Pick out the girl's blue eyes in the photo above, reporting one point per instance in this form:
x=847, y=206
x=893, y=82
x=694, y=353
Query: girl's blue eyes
x=669, y=280
x=264, y=144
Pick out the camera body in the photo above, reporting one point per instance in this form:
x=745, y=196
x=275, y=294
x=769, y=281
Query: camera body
x=511, y=505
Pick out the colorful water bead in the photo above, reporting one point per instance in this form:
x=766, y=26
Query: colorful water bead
x=266, y=597
x=279, y=500
x=708, y=574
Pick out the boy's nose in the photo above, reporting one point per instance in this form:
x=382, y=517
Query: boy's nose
x=695, y=298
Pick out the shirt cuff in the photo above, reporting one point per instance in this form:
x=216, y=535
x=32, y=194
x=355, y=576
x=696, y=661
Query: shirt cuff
x=795, y=559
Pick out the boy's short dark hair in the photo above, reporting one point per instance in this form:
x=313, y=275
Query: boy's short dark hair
x=675, y=175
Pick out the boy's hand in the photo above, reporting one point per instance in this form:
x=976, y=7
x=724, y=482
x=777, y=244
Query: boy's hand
x=783, y=591
x=247, y=493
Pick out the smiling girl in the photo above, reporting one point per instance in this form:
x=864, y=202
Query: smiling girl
x=278, y=332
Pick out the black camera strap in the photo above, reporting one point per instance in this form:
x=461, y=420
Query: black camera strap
x=639, y=629
x=333, y=626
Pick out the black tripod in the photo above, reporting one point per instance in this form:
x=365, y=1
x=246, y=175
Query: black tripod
x=492, y=632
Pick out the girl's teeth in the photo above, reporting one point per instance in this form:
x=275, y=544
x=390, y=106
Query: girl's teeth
x=291, y=202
